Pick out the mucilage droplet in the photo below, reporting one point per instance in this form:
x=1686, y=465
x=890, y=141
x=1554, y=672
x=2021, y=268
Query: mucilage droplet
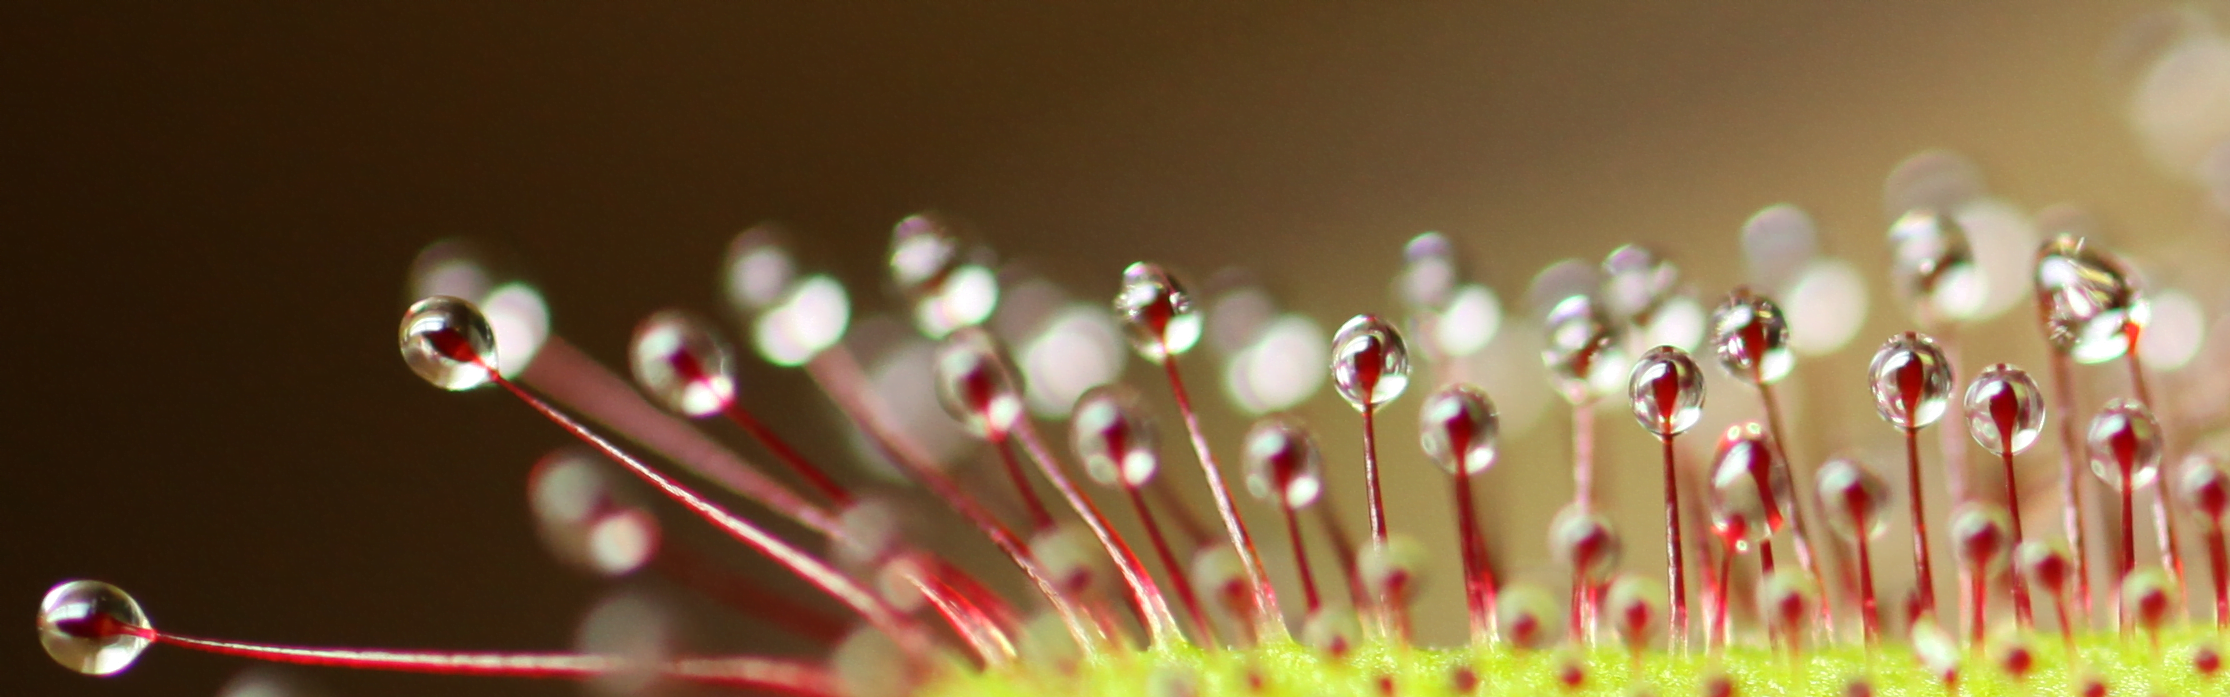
x=448, y=342
x=1742, y=512
x=92, y=627
x=1855, y=499
x=1161, y=316
x=1459, y=429
x=1667, y=391
x=1933, y=268
x=2005, y=410
x=1370, y=362
x=2088, y=298
x=1113, y=437
x=1911, y=381
x=1283, y=462
x=974, y=384
x=2125, y=435
x=682, y=365
x=1582, y=354
x=1751, y=337
x=930, y=264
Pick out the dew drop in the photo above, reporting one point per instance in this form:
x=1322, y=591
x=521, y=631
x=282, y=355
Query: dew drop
x=1636, y=282
x=1585, y=542
x=2005, y=410
x=1160, y=314
x=974, y=384
x=92, y=627
x=1667, y=391
x=1854, y=498
x=1582, y=353
x=448, y=342
x=1742, y=513
x=1982, y=536
x=2205, y=487
x=2089, y=299
x=1370, y=362
x=1911, y=380
x=2125, y=435
x=1283, y=462
x=683, y=365
x=1933, y=268
x=1752, y=338
x=1459, y=429
x=929, y=263
x=1113, y=437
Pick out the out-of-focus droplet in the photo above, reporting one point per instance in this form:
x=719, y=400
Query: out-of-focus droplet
x=1430, y=273
x=2125, y=441
x=2046, y=564
x=2180, y=106
x=759, y=269
x=1282, y=368
x=1370, y=362
x=2149, y=595
x=1742, y=512
x=268, y=681
x=1459, y=429
x=1778, y=241
x=448, y=342
x=1911, y=380
x=811, y=317
x=1114, y=438
x=1283, y=462
x=974, y=384
x=1636, y=605
x=488, y=278
x=1667, y=391
x=1333, y=629
x=929, y=264
x=1076, y=348
x=1752, y=338
x=1392, y=571
x=2205, y=487
x=92, y=627
x=1934, y=179
x=634, y=630
x=2005, y=410
x=1854, y=498
x=1982, y=536
x=2090, y=301
x=1636, y=281
x=1585, y=542
x=1160, y=314
x=585, y=517
x=2215, y=173
x=2174, y=331
x=1932, y=267
x=1786, y=601
x=1830, y=294
x=1527, y=615
x=1073, y=558
x=683, y=365
x=1936, y=649
x=1582, y=353
x=1450, y=314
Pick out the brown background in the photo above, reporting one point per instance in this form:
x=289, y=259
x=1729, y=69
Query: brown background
x=208, y=211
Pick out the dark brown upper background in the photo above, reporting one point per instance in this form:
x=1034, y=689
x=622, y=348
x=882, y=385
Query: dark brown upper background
x=208, y=211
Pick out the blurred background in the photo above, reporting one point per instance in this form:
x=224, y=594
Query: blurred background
x=211, y=210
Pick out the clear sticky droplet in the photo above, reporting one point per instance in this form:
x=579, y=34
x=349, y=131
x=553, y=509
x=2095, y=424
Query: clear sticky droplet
x=2205, y=487
x=682, y=364
x=1751, y=337
x=1933, y=268
x=1982, y=536
x=811, y=317
x=1370, y=362
x=1911, y=381
x=448, y=342
x=929, y=263
x=2005, y=410
x=1667, y=391
x=1786, y=600
x=1636, y=282
x=974, y=384
x=92, y=627
x=1459, y=429
x=1854, y=498
x=2149, y=595
x=1582, y=353
x=1585, y=542
x=489, y=277
x=1743, y=512
x=2090, y=301
x=1160, y=314
x=2124, y=441
x=1113, y=437
x=1283, y=462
